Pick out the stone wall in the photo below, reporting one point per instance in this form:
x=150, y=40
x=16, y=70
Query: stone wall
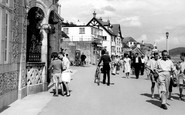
x=15, y=67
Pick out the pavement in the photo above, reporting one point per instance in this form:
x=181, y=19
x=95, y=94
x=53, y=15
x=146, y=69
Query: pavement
x=123, y=97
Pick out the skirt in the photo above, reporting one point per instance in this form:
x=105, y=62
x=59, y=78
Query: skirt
x=66, y=76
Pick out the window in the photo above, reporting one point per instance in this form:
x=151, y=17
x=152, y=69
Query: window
x=66, y=30
x=104, y=38
x=6, y=37
x=82, y=30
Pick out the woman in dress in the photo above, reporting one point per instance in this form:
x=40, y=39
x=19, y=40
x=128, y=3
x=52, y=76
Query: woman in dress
x=127, y=64
x=66, y=74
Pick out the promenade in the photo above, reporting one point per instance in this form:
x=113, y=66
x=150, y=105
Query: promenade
x=123, y=97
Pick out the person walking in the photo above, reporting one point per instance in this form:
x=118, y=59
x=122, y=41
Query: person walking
x=56, y=68
x=66, y=74
x=106, y=66
x=83, y=57
x=153, y=77
x=137, y=65
x=127, y=65
x=181, y=76
x=165, y=68
x=143, y=62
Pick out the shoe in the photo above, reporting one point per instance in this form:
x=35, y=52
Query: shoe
x=103, y=82
x=55, y=95
x=171, y=98
x=68, y=95
x=152, y=97
x=108, y=84
x=164, y=106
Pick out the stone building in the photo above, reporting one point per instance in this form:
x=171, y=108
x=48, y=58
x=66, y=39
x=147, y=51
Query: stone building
x=28, y=35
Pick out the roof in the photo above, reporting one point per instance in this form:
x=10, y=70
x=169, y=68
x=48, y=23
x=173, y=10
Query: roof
x=63, y=34
x=138, y=50
x=128, y=39
x=125, y=45
x=116, y=29
x=102, y=24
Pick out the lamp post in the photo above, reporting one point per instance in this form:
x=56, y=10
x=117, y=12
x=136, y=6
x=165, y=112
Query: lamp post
x=167, y=35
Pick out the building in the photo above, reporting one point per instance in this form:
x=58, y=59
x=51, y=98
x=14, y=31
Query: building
x=109, y=38
x=29, y=33
x=86, y=39
x=118, y=39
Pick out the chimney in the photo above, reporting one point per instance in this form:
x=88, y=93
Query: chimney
x=94, y=14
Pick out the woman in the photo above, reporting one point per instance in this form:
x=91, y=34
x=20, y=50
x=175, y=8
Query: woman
x=56, y=67
x=127, y=64
x=66, y=74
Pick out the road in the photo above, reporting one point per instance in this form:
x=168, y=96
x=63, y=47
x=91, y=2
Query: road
x=123, y=97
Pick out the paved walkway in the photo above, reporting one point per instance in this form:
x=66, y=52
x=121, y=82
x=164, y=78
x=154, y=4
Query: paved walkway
x=122, y=97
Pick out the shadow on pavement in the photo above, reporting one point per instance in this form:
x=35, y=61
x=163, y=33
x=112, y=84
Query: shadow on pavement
x=154, y=102
x=4, y=108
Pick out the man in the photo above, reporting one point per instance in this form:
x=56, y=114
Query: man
x=137, y=65
x=83, y=57
x=151, y=66
x=143, y=61
x=165, y=69
x=106, y=66
x=181, y=75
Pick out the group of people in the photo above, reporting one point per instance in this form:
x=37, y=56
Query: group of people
x=60, y=72
x=166, y=74
x=160, y=69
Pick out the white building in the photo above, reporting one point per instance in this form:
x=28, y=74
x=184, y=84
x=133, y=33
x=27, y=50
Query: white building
x=82, y=33
x=109, y=41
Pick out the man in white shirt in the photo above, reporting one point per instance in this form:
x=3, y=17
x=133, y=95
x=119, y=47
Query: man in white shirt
x=165, y=68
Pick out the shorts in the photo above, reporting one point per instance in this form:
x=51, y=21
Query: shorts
x=164, y=81
x=181, y=79
x=57, y=78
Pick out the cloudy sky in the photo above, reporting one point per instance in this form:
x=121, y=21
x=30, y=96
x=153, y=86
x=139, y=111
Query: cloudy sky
x=146, y=20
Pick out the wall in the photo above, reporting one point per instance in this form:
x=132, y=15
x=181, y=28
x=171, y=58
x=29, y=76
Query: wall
x=11, y=72
x=85, y=47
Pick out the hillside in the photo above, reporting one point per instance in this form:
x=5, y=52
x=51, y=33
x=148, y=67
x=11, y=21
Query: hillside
x=177, y=51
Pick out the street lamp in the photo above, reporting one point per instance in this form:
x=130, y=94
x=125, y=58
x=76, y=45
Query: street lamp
x=167, y=34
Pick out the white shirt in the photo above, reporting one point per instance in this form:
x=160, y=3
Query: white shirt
x=66, y=62
x=151, y=64
x=182, y=66
x=165, y=65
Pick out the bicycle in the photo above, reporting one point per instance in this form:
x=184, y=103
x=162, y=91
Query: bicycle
x=97, y=75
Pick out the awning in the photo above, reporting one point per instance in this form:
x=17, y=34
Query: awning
x=63, y=34
x=54, y=17
x=97, y=41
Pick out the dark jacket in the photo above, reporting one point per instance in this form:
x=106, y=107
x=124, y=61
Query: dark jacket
x=106, y=60
x=139, y=62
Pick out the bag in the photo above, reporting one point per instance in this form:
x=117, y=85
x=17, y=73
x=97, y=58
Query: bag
x=174, y=81
x=101, y=69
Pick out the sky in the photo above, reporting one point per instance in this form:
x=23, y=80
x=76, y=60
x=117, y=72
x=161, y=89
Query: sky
x=144, y=20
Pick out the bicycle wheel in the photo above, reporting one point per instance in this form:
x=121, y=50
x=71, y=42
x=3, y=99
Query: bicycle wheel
x=98, y=78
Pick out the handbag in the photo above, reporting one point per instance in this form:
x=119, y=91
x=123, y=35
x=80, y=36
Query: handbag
x=174, y=81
